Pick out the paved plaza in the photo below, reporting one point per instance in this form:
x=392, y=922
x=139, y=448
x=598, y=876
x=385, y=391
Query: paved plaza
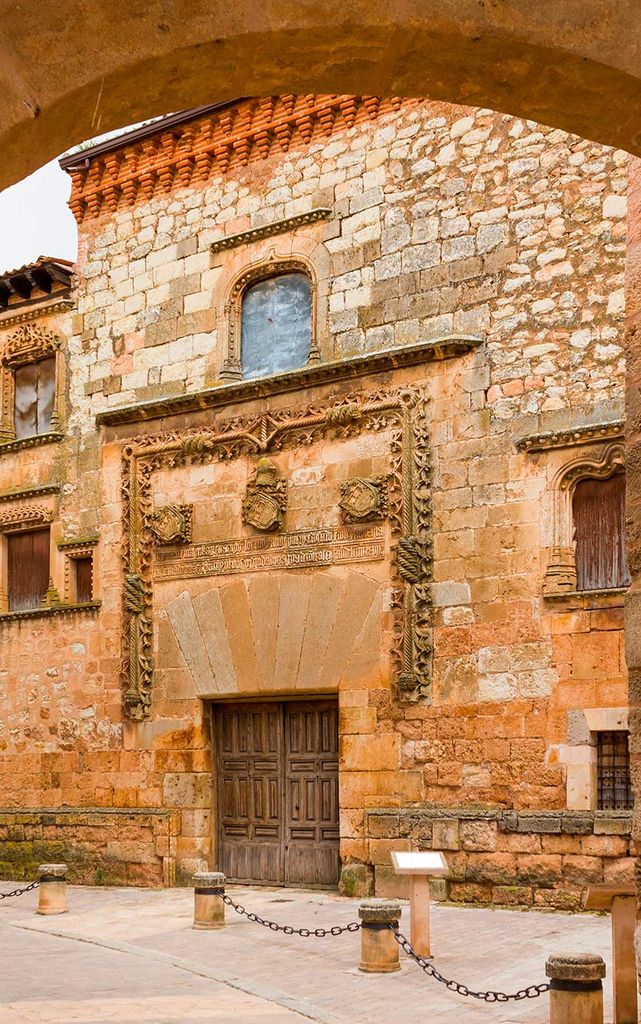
x=131, y=956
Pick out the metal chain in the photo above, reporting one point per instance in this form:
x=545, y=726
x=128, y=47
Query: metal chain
x=19, y=892
x=531, y=992
x=318, y=933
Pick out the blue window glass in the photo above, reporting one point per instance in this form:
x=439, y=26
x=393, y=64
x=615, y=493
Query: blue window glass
x=276, y=325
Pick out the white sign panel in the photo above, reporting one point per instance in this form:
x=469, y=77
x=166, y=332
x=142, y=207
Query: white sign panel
x=419, y=862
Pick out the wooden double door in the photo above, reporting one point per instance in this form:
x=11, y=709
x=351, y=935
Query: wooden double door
x=277, y=775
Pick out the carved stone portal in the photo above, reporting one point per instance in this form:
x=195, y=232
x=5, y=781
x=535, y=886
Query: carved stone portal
x=266, y=498
x=363, y=499
x=172, y=524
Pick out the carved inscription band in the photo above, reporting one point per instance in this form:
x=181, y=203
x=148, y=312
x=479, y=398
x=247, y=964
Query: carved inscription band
x=297, y=550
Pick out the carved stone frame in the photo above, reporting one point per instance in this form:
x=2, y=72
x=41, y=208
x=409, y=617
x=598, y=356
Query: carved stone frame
x=15, y=520
x=603, y=462
x=271, y=265
x=28, y=344
x=406, y=411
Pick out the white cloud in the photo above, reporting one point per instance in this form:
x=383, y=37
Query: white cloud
x=35, y=219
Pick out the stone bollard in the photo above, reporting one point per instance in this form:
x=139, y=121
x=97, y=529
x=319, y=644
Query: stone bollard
x=379, y=948
x=209, y=909
x=53, y=889
x=576, y=989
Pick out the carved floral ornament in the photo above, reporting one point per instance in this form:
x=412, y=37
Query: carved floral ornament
x=29, y=343
x=405, y=412
x=24, y=517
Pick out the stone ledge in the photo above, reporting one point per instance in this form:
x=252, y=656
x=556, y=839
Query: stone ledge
x=53, y=437
x=444, y=347
x=588, y=599
x=29, y=492
x=47, y=613
x=589, y=433
x=511, y=821
x=277, y=227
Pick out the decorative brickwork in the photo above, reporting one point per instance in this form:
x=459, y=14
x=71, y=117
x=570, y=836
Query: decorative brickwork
x=189, y=154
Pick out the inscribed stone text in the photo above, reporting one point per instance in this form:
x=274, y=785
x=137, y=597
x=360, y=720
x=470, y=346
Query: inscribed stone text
x=297, y=550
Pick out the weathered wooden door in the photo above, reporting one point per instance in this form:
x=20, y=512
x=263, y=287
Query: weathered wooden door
x=277, y=767
x=311, y=788
x=250, y=745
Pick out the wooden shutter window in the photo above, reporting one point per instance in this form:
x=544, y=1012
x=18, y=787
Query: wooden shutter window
x=35, y=390
x=84, y=580
x=28, y=558
x=598, y=508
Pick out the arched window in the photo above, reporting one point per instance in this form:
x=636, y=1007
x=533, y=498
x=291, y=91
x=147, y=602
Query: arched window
x=276, y=325
x=598, y=511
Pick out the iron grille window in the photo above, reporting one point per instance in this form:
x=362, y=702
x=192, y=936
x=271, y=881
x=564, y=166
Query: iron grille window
x=613, y=771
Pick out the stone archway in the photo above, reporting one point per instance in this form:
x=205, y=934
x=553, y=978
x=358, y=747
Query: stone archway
x=571, y=64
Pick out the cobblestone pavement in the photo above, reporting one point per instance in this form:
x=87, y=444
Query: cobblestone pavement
x=131, y=956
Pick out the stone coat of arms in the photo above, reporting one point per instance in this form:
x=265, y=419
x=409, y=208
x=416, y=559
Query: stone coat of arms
x=363, y=499
x=172, y=524
x=266, y=498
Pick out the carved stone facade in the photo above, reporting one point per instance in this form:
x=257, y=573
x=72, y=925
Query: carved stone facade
x=388, y=526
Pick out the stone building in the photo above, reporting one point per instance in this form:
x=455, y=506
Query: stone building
x=311, y=505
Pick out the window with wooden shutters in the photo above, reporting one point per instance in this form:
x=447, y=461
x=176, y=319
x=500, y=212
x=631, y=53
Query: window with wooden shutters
x=84, y=579
x=276, y=325
x=35, y=392
x=28, y=569
x=598, y=509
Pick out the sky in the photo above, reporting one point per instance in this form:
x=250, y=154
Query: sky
x=35, y=219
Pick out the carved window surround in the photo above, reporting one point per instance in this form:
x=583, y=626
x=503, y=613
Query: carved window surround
x=271, y=266
x=605, y=457
x=278, y=227
x=17, y=520
x=405, y=411
x=82, y=547
x=28, y=344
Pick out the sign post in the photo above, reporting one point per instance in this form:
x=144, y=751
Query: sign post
x=621, y=902
x=420, y=866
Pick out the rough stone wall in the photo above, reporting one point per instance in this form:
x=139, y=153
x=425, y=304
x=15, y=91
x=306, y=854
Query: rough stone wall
x=443, y=220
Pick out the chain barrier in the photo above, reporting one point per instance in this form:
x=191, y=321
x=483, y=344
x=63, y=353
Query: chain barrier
x=19, y=892
x=318, y=933
x=531, y=992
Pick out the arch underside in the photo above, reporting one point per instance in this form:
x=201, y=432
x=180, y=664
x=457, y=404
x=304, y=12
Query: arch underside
x=571, y=65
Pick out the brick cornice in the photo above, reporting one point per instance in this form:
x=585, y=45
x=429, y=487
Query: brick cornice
x=177, y=155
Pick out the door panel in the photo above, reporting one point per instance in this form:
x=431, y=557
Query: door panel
x=250, y=754
x=278, y=792
x=311, y=822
